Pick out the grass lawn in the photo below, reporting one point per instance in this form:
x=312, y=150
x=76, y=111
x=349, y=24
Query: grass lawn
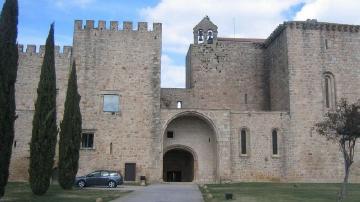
x=19, y=191
x=279, y=192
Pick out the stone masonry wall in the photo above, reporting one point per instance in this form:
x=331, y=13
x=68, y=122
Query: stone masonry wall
x=276, y=63
x=226, y=75
x=26, y=85
x=259, y=164
x=311, y=157
x=126, y=63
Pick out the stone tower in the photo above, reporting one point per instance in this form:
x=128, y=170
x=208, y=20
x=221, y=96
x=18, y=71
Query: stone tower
x=119, y=84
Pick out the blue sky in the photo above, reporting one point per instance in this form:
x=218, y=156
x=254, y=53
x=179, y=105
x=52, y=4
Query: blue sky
x=252, y=19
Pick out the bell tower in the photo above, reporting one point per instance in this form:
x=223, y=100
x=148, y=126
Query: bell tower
x=205, y=32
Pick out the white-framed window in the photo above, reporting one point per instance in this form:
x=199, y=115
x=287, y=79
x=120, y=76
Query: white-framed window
x=111, y=103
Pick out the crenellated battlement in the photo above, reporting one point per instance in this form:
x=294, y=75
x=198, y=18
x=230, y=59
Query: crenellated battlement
x=114, y=26
x=32, y=49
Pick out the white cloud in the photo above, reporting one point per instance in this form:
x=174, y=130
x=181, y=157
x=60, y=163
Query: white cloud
x=339, y=11
x=252, y=18
x=172, y=76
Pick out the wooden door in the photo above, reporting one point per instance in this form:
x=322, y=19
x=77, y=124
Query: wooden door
x=130, y=171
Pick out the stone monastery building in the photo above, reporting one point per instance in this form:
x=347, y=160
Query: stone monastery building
x=247, y=112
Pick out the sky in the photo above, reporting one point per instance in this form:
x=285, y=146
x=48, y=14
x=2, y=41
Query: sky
x=239, y=18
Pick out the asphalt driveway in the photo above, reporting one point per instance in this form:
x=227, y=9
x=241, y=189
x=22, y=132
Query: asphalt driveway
x=164, y=193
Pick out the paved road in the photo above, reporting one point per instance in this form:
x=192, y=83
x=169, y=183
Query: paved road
x=164, y=193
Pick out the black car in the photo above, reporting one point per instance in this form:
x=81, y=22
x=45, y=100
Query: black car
x=100, y=178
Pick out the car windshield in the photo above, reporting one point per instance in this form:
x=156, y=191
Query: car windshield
x=114, y=174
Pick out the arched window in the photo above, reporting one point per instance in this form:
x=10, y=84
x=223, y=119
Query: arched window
x=200, y=36
x=275, y=149
x=329, y=90
x=210, y=36
x=244, y=141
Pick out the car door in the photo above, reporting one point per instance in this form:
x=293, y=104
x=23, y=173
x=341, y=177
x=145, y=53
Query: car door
x=93, y=178
x=104, y=178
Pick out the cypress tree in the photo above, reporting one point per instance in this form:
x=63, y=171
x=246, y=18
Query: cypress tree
x=8, y=73
x=70, y=134
x=44, y=131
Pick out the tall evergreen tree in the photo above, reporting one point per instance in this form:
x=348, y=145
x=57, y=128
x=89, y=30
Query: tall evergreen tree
x=70, y=134
x=44, y=132
x=8, y=73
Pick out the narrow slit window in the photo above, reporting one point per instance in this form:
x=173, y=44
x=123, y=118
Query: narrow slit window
x=326, y=44
x=275, y=142
x=246, y=98
x=327, y=92
x=179, y=104
x=243, y=141
x=111, y=148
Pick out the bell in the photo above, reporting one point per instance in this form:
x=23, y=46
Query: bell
x=201, y=38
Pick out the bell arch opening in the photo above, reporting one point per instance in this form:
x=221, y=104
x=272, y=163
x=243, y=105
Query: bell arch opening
x=178, y=166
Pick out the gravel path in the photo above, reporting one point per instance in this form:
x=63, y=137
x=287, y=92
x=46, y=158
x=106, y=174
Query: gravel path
x=164, y=193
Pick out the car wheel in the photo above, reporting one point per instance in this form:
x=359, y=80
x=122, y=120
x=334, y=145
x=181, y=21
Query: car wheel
x=112, y=184
x=81, y=183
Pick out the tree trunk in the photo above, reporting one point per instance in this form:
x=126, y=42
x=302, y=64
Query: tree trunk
x=342, y=193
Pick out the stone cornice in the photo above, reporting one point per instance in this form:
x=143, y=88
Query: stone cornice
x=310, y=25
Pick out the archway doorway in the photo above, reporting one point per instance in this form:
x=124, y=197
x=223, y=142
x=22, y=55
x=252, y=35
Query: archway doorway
x=178, y=166
x=194, y=134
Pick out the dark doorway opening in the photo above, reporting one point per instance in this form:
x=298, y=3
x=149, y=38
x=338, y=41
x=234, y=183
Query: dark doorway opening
x=178, y=166
x=130, y=171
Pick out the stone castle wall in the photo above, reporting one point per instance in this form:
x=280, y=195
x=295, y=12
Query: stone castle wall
x=312, y=158
x=125, y=63
x=259, y=85
x=295, y=59
x=259, y=163
x=276, y=65
x=109, y=61
x=226, y=75
x=28, y=76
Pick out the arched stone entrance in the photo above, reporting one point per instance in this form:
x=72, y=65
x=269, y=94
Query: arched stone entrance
x=189, y=141
x=178, y=166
